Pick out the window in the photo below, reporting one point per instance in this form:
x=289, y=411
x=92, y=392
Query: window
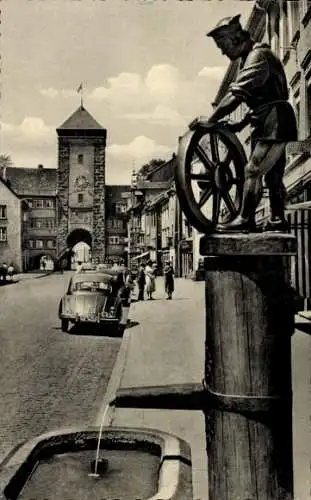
x=304, y=6
x=50, y=223
x=39, y=244
x=3, y=234
x=284, y=29
x=309, y=108
x=275, y=27
x=30, y=243
x=38, y=203
x=80, y=159
x=293, y=10
x=50, y=244
x=36, y=223
x=80, y=197
x=115, y=223
x=120, y=208
x=49, y=203
x=42, y=223
x=3, y=214
x=114, y=240
x=296, y=106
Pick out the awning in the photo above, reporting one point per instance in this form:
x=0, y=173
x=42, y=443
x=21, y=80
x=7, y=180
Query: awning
x=140, y=256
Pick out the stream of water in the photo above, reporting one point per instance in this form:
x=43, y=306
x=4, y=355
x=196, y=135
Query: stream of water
x=95, y=473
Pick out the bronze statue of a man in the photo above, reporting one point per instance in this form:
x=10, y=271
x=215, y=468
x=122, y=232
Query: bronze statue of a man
x=261, y=84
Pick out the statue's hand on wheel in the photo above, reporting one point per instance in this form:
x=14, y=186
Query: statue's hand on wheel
x=234, y=126
x=199, y=121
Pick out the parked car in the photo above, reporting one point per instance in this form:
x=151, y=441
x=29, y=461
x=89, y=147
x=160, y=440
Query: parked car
x=94, y=297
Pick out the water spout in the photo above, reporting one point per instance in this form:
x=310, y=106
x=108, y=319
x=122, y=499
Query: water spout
x=98, y=465
x=169, y=397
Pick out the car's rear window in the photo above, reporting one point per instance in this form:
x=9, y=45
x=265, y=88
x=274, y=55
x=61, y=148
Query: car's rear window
x=90, y=286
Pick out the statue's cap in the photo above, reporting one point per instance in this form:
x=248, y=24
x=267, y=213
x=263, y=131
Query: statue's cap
x=226, y=25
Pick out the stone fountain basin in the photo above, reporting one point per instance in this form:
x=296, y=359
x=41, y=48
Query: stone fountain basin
x=144, y=464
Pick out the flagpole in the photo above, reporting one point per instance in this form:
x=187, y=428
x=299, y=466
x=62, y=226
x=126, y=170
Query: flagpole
x=80, y=91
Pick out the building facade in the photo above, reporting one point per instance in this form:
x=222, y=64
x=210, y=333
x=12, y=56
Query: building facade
x=157, y=228
x=36, y=192
x=117, y=204
x=11, y=214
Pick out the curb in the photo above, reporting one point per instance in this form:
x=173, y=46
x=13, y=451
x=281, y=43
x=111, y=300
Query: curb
x=114, y=382
x=49, y=273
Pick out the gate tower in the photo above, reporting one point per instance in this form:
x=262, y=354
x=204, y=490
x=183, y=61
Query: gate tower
x=81, y=184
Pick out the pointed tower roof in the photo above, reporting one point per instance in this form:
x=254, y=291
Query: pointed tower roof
x=81, y=121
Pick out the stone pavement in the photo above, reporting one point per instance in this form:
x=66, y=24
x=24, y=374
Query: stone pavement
x=165, y=346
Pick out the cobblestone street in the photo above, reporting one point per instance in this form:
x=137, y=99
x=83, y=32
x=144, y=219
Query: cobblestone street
x=49, y=379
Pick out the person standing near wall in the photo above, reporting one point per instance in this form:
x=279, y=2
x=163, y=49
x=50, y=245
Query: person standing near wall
x=141, y=281
x=169, y=279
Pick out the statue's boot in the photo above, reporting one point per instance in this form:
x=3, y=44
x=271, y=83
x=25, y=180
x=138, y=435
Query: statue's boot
x=277, y=224
x=239, y=224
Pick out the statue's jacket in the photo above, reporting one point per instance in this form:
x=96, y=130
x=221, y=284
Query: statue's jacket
x=261, y=83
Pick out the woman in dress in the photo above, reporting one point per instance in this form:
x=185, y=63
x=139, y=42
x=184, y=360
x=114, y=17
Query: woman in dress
x=150, y=279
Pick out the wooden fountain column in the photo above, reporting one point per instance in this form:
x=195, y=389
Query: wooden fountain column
x=249, y=323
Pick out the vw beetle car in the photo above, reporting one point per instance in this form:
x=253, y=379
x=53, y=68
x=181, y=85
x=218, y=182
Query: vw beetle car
x=94, y=297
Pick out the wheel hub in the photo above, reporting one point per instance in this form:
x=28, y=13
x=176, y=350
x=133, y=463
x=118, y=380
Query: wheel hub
x=223, y=178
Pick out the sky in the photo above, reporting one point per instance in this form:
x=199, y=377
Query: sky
x=146, y=65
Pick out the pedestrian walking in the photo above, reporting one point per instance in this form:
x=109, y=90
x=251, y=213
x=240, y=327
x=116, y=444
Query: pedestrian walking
x=169, y=279
x=11, y=271
x=141, y=281
x=79, y=266
x=150, y=279
x=3, y=271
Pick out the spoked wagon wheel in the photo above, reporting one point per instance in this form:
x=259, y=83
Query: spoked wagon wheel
x=209, y=176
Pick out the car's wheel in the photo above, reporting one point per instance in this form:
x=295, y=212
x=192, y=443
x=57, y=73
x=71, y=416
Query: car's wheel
x=121, y=329
x=117, y=330
x=65, y=325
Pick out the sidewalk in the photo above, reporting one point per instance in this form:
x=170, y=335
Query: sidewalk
x=166, y=346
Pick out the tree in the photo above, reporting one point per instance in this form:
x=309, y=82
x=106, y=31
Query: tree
x=5, y=161
x=147, y=168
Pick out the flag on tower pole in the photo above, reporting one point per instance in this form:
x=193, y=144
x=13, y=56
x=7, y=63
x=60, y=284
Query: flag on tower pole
x=80, y=91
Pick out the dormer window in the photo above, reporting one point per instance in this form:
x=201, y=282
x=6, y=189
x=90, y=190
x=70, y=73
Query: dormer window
x=80, y=159
x=80, y=197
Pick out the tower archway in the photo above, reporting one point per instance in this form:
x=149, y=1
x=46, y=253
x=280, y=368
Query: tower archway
x=80, y=243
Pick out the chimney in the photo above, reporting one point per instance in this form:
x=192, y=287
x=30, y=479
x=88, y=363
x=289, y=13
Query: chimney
x=3, y=173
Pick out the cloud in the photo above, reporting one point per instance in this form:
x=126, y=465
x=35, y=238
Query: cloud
x=52, y=93
x=212, y=72
x=162, y=82
x=30, y=142
x=32, y=130
x=141, y=148
x=161, y=115
x=159, y=84
x=162, y=96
